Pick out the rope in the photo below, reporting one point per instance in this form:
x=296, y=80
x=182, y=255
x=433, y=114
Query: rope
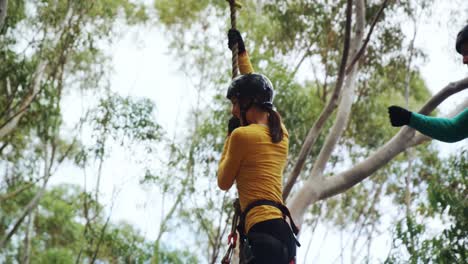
x=235, y=50
x=232, y=238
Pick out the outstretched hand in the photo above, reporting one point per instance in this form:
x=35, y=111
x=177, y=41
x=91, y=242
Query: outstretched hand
x=399, y=116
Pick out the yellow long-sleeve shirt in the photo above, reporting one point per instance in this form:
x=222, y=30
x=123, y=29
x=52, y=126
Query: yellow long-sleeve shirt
x=245, y=67
x=256, y=165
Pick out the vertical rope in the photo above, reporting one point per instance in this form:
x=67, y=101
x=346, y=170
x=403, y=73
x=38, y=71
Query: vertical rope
x=409, y=151
x=235, y=71
x=235, y=49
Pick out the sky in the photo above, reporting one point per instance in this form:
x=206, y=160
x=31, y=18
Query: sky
x=143, y=67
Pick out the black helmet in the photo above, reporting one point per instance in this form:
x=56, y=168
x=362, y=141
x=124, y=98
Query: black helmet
x=254, y=86
x=461, y=38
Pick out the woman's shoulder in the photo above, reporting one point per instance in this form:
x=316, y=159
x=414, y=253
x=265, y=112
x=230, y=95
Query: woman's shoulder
x=253, y=131
x=249, y=132
x=241, y=133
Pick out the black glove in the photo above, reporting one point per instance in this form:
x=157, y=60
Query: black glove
x=399, y=116
x=234, y=37
x=233, y=123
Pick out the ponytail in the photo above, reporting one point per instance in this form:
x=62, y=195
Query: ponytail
x=274, y=124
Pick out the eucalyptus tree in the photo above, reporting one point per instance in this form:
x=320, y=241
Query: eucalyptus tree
x=49, y=49
x=58, y=227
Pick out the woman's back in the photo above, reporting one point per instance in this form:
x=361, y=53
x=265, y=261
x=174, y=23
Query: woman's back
x=259, y=170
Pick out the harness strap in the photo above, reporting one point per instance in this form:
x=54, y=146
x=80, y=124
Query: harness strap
x=280, y=206
x=284, y=210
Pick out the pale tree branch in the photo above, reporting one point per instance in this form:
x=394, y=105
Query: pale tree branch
x=409, y=153
x=364, y=45
x=346, y=100
x=361, y=226
x=326, y=113
x=13, y=119
x=35, y=201
x=314, y=132
x=322, y=188
x=11, y=123
x=304, y=56
x=27, y=239
x=101, y=236
x=404, y=139
x=302, y=199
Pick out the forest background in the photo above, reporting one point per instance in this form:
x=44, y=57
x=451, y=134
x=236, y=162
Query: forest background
x=113, y=117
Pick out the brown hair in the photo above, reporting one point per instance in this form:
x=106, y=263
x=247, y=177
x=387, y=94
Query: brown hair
x=274, y=124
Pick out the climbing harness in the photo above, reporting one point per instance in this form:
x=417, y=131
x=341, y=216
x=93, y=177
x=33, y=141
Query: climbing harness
x=284, y=210
x=238, y=224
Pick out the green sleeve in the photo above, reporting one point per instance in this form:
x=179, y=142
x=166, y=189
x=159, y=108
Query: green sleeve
x=443, y=129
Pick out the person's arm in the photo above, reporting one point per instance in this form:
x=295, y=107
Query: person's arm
x=245, y=67
x=443, y=129
x=231, y=159
x=234, y=36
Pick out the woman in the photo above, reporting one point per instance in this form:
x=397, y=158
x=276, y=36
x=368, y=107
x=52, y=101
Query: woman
x=443, y=129
x=254, y=156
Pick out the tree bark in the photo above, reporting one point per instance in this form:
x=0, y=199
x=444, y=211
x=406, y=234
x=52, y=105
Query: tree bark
x=302, y=200
x=317, y=127
x=322, y=188
x=347, y=98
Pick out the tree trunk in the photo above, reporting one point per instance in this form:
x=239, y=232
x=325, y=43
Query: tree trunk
x=321, y=188
x=344, y=109
x=27, y=240
x=317, y=127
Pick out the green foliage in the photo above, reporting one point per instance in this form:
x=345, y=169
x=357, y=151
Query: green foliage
x=298, y=44
x=59, y=232
x=172, y=12
x=126, y=118
x=178, y=257
x=56, y=256
x=446, y=190
x=69, y=40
